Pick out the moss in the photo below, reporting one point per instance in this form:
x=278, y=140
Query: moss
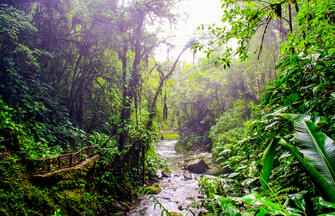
x=166, y=172
x=118, y=214
x=66, y=184
x=170, y=136
x=207, y=157
x=175, y=214
x=18, y=195
x=38, y=199
x=190, y=198
x=71, y=202
x=154, y=189
x=216, y=170
x=90, y=190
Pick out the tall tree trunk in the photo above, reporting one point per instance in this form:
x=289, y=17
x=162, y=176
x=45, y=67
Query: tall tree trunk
x=80, y=98
x=125, y=111
x=290, y=23
x=135, y=77
x=70, y=100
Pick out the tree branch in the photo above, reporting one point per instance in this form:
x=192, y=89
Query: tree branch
x=152, y=110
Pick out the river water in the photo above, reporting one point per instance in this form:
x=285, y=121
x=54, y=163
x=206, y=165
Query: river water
x=177, y=191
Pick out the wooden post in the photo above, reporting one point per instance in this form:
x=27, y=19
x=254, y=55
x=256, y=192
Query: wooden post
x=71, y=159
x=49, y=167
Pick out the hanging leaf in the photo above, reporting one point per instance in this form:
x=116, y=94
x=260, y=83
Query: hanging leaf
x=268, y=159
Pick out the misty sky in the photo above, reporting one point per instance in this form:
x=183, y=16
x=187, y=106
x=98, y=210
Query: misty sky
x=197, y=12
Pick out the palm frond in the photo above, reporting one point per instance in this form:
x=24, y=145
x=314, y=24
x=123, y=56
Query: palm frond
x=318, y=149
x=327, y=191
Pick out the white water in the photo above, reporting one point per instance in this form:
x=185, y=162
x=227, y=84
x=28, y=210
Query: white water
x=176, y=190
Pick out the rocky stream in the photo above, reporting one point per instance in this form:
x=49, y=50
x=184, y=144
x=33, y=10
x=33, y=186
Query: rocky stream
x=178, y=188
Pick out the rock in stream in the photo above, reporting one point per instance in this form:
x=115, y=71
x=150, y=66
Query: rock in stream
x=196, y=166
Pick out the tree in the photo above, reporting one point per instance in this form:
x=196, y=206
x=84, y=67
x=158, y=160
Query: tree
x=136, y=41
x=241, y=21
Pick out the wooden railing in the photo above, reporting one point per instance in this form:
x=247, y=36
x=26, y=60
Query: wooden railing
x=42, y=166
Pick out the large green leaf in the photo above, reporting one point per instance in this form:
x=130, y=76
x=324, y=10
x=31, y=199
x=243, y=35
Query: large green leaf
x=298, y=117
x=327, y=191
x=318, y=149
x=274, y=208
x=324, y=204
x=227, y=207
x=268, y=159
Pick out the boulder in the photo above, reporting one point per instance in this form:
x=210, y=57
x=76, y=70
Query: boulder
x=196, y=166
x=206, y=156
x=166, y=173
x=154, y=189
x=213, y=168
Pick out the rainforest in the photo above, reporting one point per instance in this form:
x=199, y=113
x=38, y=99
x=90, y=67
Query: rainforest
x=106, y=109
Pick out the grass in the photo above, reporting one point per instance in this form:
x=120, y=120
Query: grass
x=170, y=136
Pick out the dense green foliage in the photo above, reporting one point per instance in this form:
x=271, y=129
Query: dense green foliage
x=75, y=73
x=204, y=92
x=284, y=162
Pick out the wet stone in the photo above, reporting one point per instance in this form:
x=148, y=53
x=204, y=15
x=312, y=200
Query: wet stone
x=154, y=189
x=190, y=198
x=166, y=173
x=197, y=166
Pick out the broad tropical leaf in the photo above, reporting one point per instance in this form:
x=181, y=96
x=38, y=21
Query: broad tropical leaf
x=268, y=158
x=318, y=149
x=273, y=208
x=325, y=204
x=327, y=191
x=298, y=117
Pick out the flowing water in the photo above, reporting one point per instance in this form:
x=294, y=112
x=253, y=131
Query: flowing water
x=176, y=190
